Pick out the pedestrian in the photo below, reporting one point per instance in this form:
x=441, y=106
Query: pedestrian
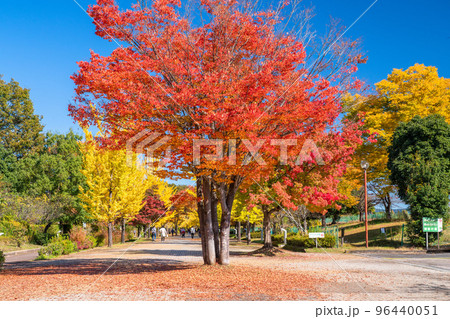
x=163, y=233
x=183, y=232
x=192, y=231
x=153, y=234
x=173, y=232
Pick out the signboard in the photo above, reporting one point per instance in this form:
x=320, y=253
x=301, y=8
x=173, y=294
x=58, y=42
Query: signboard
x=316, y=235
x=432, y=225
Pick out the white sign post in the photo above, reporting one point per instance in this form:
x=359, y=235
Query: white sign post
x=316, y=235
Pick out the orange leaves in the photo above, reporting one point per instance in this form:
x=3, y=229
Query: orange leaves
x=229, y=78
x=138, y=280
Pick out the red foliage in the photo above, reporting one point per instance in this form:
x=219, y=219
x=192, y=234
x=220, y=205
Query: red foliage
x=153, y=209
x=78, y=235
x=230, y=78
x=184, y=200
x=233, y=79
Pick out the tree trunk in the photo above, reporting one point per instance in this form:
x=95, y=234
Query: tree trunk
x=387, y=206
x=238, y=232
x=122, y=235
x=266, y=227
x=139, y=231
x=176, y=224
x=201, y=217
x=224, y=256
x=324, y=220
x=209, y=254
x=47, y=227
x=215, y=222
x=305, y=224
x=249, y=237
x=227, y=194
x=110, y=234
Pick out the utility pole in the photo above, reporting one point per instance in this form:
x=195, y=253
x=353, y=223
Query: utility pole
x=365, y=166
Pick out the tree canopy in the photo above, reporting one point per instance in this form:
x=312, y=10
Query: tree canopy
x=232, y=79
x=419, y=160
x=20, y=128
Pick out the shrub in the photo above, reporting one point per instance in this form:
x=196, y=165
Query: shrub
x=130, y=233
x=278, y=239
x=79, y=236
x=53, y=230
x=329, y=241
x=58, y=246
x=414, y=236
x=14, y=229
x=99, y=239
x=404, y=215
x=38, y=237
x=2, y=260
x=93, y=240
x=301, y=242
x=255, y=234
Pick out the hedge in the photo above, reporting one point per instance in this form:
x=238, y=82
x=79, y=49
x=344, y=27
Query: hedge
x=329, y=241
x=57, y=247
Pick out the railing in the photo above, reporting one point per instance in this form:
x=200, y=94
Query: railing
x=379, y=214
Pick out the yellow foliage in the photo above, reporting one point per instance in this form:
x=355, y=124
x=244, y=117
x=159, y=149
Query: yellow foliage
x=115, y=189
x=417, y=90
x=241, y=213
x=350, y=181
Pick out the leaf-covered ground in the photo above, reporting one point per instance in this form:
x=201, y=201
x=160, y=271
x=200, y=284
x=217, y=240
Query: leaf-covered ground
x=173, y=270
x=134, y=280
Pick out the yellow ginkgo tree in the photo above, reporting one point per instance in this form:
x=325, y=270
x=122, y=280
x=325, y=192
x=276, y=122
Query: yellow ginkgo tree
x=241, y=213
x=182, y=210
x=115, y=189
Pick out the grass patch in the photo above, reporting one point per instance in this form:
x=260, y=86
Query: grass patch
x=8, y=248
x=392, y=238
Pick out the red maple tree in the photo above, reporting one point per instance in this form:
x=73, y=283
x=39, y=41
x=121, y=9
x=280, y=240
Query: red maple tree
x=231, y=78
x=153, y=209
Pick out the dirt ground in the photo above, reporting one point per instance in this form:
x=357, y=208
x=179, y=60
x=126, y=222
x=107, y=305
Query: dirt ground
x=173, y=270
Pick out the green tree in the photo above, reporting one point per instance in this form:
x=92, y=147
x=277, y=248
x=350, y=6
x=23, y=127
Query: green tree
x=20, y=128
x=52, y=175
x=55, y=170
x=419, y=160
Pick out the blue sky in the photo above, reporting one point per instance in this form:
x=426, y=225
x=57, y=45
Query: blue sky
x=41, y=41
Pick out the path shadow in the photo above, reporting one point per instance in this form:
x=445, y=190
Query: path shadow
x=177, y=253
x=172, y=242
x=166, y=252
x=93, y=267
x=430, y=288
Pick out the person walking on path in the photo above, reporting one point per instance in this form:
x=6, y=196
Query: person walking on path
x=192, y=231
x=163, y=233
x=153, y=234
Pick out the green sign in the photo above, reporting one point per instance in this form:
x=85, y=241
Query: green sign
x=432, y=225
